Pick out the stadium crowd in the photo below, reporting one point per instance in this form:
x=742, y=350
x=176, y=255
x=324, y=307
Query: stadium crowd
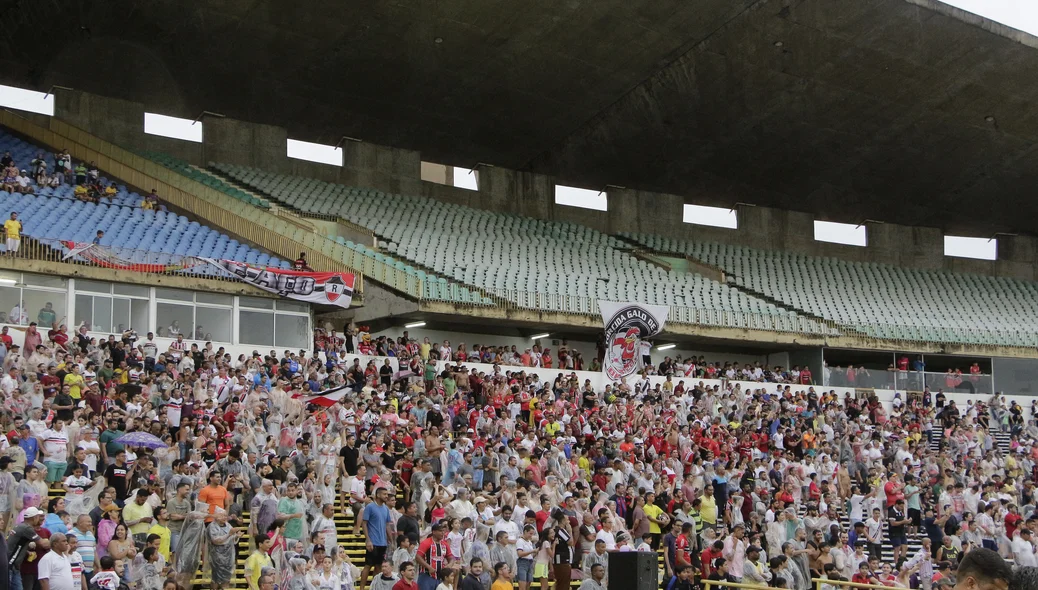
x=463, y=480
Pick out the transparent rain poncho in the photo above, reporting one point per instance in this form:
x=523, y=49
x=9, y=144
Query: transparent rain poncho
x=192, y=541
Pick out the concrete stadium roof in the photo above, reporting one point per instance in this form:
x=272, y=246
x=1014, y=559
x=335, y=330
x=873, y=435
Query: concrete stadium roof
x=906, y=111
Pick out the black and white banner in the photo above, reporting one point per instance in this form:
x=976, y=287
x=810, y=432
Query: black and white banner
x=626, y=325
x=333, y=288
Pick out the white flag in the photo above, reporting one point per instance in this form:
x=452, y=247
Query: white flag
x=626, y=325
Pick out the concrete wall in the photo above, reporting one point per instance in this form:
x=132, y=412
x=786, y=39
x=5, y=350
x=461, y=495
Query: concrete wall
x=524, y=193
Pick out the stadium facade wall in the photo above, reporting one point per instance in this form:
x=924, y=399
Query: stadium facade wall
x=524, y=193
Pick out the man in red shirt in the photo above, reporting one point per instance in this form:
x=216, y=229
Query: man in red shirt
x=50, y=382
x=709, y=555
x=407, y=575
x=683, y=546
x=434, y=554
x=59, y=337
x=1013, y=520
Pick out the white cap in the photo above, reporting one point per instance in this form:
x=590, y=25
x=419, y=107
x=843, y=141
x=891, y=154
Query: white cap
x=33, y=512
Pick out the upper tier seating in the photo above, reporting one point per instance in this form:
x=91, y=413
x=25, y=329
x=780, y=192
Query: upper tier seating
x=536, y=264
x=434, y=287
x=23, y=153
x=132, y=233
x=881, y=300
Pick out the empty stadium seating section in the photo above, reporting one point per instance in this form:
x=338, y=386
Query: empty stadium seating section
x=132, y=233
x=470, y=256
x=530, y=263
x=881, y=300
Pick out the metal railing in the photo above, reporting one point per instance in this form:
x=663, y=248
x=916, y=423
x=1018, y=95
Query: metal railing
x=818, y=583
x=144, y=261
x=837, y=376
x=749, y=320
x=258, y=226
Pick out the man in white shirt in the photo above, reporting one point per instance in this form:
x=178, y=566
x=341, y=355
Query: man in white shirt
x=9, y=382
x=1023, y=549
x=606, y=535
x=874, y=534
x=54, y=444
x=18, y=315
x=645, y=350
x=507, y=524
x=55, y=569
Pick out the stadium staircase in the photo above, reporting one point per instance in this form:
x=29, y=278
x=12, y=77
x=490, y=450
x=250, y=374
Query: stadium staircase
x=1002, y=439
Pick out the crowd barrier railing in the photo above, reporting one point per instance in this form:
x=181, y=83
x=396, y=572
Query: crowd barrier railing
x=588, y=306
x=52, y=250
x=817, y=582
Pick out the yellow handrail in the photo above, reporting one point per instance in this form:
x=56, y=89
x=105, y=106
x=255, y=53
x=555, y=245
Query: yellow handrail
x=708, y=583
x=818, y=582
x=258, y=226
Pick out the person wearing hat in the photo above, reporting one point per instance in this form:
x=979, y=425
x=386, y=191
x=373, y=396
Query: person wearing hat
x=753, y=570
x=24, y=539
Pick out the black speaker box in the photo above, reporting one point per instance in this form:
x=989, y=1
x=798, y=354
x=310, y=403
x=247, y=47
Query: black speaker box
x=634, y=570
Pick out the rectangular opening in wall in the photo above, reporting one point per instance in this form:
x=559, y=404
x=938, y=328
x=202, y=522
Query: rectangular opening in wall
x=711, y=216
x=466, y=178
x=26, y=100
x=174, y=127
x=572, y=196
x=840, y=233
x=314, y=152
x=963, y=247
x=432, y=172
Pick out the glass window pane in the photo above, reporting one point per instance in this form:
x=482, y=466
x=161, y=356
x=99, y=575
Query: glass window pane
x=213, y=324
x=131, y=290
x=84, y=310
x=44, y=307
x=9, y=302
x=93, y=286
x=10, y=277
x=256, y=327
x=44, y=281
x=139, y=316
x=102, y=314
x=292, y=331
x=257, y=302
x=174, y=319
x=120, y=314
x=174, y=294
x=288, y=305
x=214, y=298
